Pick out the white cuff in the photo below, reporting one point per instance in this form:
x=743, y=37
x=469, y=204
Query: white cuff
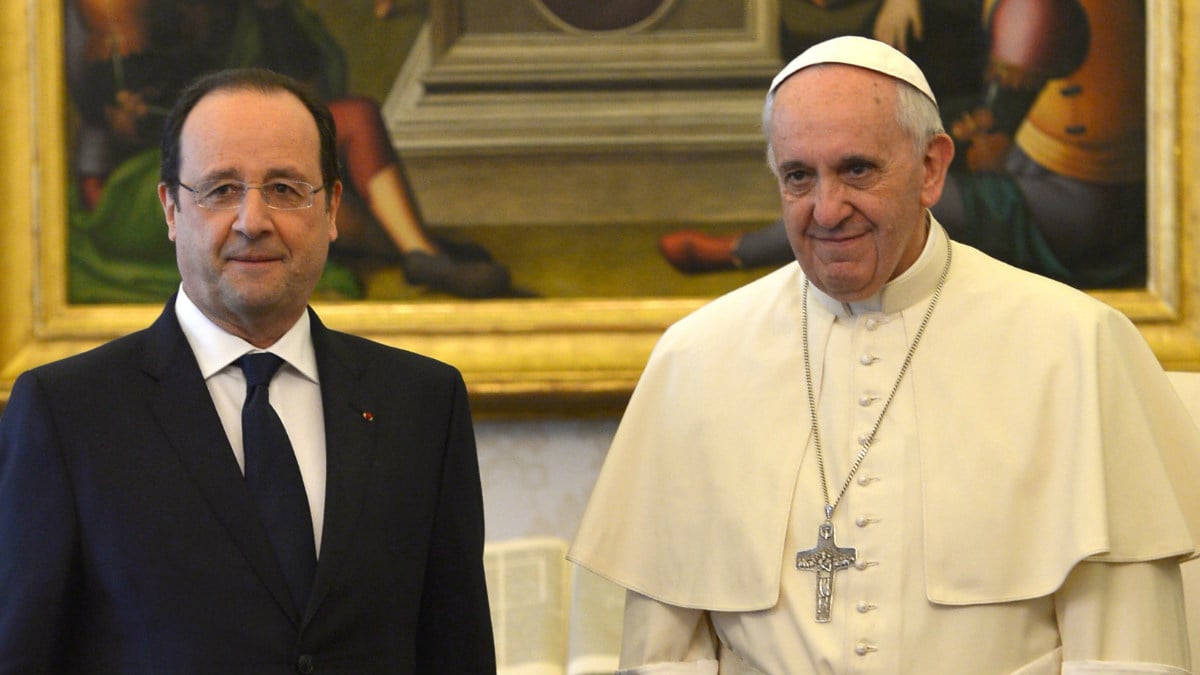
x=689, y=668
x=1119, y=668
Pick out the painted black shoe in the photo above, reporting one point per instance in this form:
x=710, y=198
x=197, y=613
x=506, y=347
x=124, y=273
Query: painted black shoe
x=464, y=278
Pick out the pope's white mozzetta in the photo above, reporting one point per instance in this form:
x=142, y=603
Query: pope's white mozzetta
x=711, y=485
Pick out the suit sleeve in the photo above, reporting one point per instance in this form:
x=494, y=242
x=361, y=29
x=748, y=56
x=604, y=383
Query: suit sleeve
x=38, y=552
x=455, y=632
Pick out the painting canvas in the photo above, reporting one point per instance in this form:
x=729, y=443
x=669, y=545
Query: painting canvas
x=1050, y=173
x=592, y=165
x=125, y=62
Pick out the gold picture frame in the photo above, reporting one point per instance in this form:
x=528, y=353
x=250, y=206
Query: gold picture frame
x=520, y=357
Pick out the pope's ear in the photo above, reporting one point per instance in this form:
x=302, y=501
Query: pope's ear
x=936, y=162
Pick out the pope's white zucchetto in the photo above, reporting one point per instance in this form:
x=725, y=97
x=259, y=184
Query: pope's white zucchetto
x=862, y=52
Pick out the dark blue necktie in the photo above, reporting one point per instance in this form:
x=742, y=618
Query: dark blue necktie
x=273, y=477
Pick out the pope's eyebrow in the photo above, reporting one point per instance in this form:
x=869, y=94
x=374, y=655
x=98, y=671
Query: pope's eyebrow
x=852, y=161
x=792, y=165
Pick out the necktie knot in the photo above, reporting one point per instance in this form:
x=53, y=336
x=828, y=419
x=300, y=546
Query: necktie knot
x=259, y=368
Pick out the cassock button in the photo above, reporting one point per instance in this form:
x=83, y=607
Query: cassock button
x=863, y=607
x=866, y=359
x=871, y=324
x=863, y=648
x=304, y=665
x=865, y=480
x=866, y=400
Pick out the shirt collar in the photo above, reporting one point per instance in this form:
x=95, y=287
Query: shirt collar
x=915, y=283
x=216, y=349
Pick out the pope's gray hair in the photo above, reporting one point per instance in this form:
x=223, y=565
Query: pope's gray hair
x=916, y=114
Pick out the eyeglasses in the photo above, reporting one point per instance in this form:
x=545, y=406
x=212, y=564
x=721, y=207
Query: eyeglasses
x=281, y=194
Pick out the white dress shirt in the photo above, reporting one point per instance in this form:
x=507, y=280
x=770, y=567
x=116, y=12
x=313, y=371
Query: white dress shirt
x=295, y=393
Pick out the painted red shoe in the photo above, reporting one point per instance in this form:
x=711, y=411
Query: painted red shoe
x=693, y=252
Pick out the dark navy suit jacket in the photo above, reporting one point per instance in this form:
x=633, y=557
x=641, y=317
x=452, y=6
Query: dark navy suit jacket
x=129, y=543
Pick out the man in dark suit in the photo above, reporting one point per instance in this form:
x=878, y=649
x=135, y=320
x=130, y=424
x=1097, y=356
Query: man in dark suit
x=131, y=541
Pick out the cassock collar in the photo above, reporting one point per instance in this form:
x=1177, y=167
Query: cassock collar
x=216, y=349
x=915, y=283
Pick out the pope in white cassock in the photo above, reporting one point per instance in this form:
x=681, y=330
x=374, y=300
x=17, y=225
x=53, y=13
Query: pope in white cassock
x=900, y=455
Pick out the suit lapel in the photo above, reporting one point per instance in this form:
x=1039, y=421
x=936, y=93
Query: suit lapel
x=185, y=411
x=349, y=449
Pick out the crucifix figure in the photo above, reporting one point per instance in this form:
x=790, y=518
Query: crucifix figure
x=825, y=558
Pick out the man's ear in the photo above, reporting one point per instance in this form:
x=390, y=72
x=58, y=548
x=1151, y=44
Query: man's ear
x=335, y=200
x=168, y=207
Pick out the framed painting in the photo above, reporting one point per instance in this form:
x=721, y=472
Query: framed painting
x=532, y=114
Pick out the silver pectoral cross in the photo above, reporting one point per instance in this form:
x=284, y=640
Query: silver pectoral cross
x=825, y=558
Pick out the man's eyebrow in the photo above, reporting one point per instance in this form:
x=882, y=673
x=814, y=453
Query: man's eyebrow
x=219, y=174
x=271, y=174
x=290, y=173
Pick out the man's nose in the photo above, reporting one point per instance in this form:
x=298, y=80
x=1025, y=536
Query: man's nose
x=253, y=215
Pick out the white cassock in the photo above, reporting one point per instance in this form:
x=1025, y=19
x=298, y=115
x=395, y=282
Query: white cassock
x=1021, y=509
